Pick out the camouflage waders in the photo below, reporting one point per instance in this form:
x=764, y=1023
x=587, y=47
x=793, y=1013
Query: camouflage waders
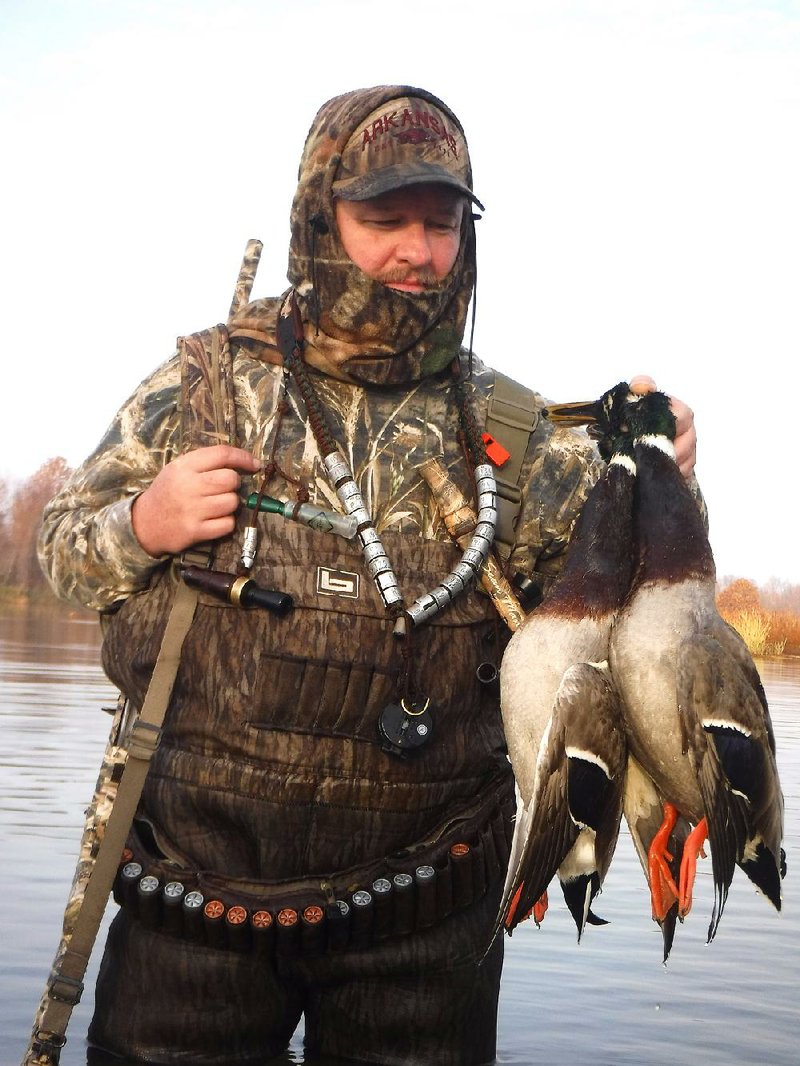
x=271, y=769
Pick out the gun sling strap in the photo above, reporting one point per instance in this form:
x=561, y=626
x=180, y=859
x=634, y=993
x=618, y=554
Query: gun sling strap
x=65, y=984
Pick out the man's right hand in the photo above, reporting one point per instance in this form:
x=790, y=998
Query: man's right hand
x=192, y=499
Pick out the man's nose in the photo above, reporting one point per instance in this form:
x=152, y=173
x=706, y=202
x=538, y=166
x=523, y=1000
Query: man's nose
x=414, y=245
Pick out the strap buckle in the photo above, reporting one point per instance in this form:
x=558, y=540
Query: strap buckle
x=197, y=555
x=65, y=989
x=145, y=738
x=47, y=1044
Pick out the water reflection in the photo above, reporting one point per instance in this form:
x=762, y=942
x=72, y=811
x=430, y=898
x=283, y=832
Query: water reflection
x=608, y=1002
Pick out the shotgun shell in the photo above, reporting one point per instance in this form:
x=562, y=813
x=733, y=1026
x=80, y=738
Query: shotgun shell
x=148, y=892
x=403, y=886
x=128, y=876
x=172, y=907
x=312, y=930
x=383, y=920
x=124, y=859
x=425, y=880
x=361, y=918
x=288, y=931
x=214, y=923
x=338, y=920
x=237, y=927
x=192, y=908
x=262, y=930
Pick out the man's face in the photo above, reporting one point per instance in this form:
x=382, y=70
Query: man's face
x=408, y=238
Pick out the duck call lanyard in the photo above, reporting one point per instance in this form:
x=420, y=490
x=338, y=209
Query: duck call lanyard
x=407, y=725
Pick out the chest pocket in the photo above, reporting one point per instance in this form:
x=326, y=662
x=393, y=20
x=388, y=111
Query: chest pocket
x=332, y=664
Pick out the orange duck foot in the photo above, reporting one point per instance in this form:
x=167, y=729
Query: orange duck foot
x=691, y=850
x=663, y=890
x=538, y=910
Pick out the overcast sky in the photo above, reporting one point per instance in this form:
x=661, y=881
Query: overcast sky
x=639, y=162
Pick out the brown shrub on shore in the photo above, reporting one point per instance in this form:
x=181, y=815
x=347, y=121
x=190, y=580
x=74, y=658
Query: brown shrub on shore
x=767, y=632
x=764, y=631
x=754, y=627
x=785, y=627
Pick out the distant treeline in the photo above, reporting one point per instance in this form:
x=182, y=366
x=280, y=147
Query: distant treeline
x=21, y=507
x=768, y=617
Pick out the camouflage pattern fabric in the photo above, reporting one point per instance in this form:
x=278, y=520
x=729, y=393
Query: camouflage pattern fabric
x=207, y=406
x=92, y=557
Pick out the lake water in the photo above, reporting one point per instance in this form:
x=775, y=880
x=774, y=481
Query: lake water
x=606, y=1002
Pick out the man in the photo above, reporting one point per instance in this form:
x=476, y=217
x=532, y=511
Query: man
x=279, y=780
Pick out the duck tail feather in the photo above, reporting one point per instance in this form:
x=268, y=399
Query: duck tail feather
x=668, y=926
x=579, y=893
x=595, y=919
x=765, y=873
x=720, y=896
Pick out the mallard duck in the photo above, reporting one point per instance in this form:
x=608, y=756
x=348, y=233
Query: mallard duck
x=695, y=710
x=642, y=803
x=561, y=713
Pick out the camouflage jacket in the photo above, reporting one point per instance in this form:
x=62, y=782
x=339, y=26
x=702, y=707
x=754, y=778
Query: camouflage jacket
x=91, y=556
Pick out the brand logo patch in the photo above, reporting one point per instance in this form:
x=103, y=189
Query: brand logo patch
x=337, y=583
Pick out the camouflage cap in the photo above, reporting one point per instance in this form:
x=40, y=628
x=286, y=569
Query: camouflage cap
x=405, y=141
x=382, y=335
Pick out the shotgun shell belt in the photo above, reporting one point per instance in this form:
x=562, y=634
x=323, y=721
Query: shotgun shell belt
x=394, y=903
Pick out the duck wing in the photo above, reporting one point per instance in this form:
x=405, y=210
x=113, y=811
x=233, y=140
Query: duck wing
x=572, y=820
x=733, y=643
x=729, y=736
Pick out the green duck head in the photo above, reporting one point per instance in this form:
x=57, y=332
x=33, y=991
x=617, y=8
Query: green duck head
x=650, y=416
x=606, y=418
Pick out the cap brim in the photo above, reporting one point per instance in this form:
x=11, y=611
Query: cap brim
x=385, y=179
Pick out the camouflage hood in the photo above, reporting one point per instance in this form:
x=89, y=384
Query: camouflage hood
x=357, y=328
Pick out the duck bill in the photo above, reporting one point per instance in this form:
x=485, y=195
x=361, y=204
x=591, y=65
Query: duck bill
x=583, y=413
